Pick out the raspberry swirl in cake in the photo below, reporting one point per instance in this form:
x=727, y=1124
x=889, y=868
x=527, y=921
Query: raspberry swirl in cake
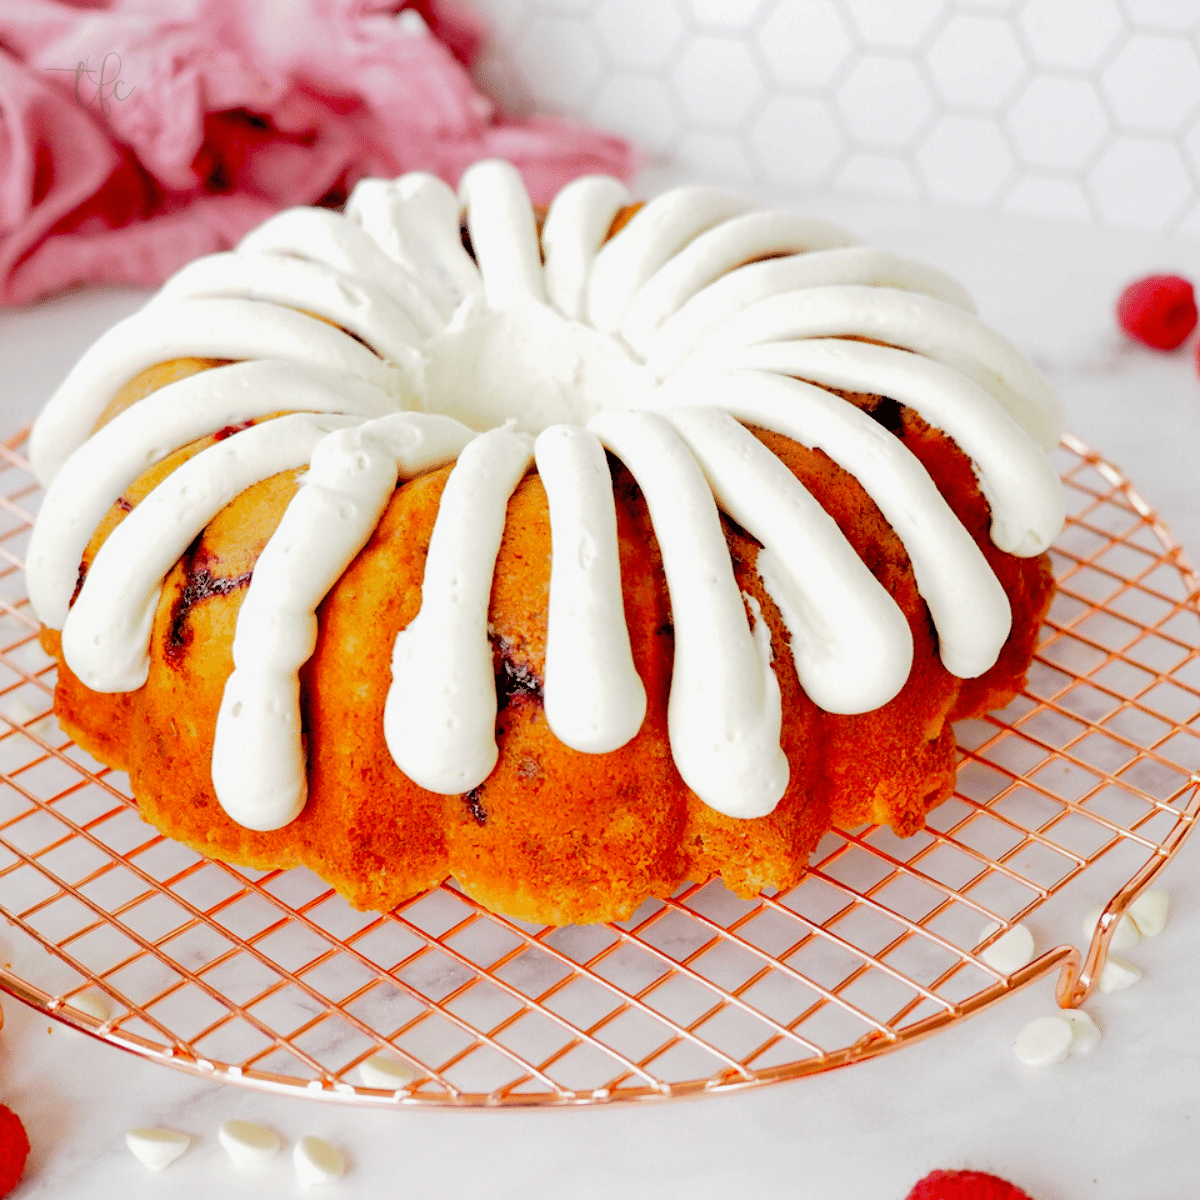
x=368, y=348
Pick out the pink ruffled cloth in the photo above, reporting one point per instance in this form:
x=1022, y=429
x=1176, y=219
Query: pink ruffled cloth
x=136, y=135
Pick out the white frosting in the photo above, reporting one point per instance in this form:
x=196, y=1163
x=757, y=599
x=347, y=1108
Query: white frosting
x=327, y=237
x=587, y=637
x=653, y=235
x=969, y=607
x=716, y=253
x=577, y=223
x=415, y=221
x=106, y=636
x=360, y=308
x=258, y=763
x=220, y=328
x=725, y=712
x=503, y=234
x=527, y=364
x=440, y=716
x=904, y=319
x=724, y=306
x=1015, y=476
x=106, y=464
x=850, y=642
x=677, y=324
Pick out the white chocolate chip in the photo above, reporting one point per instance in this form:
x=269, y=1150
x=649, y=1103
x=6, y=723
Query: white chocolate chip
x=1149, y=912
x=317, y=1161
x=1125, y=937
x=1085, y=1033
x=19, y=712
x=1011, y=951
x=246, y=1142
x=93, y=1004
x=156, y=1148
x=1118, y=975
x=1044, y=1042
x=386, y=1073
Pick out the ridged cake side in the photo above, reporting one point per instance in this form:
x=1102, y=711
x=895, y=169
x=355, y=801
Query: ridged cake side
x=552, y=835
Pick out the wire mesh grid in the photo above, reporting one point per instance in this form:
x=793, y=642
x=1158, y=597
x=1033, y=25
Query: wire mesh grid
x=271, y=980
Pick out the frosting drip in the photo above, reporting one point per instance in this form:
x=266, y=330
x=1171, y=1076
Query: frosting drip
x=440, y=717
x=587, y=637
x=258, y=764
x=656, y=343
x=724, y=715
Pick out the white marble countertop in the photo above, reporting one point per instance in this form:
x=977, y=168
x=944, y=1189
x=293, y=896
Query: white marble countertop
x=1111, y=1126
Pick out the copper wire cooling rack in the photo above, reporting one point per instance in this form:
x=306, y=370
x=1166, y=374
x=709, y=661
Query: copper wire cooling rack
x=1079, y=791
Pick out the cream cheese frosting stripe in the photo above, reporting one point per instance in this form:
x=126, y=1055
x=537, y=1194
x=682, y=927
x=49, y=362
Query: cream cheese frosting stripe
x=503, y=234
x=1015, y=476
x=106, y=637
x=593, y=696
x=904, y=319
x=207, y=328
x=653, y=236
x=415, y=221
x=850, y=642
x=258, y=764
x=577, y=223
x=715, y=253
x=681, y=321
x=440, y=716
x=96, y=475
x=360, y=308
x=318, y=235
x=724, y=715
x=969, y=607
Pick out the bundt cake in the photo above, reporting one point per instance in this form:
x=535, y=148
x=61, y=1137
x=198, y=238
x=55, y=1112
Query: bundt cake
x=574, y=555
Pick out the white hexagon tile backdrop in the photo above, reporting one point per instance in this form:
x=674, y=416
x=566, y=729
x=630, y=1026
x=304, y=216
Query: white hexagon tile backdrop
x=1080, y=109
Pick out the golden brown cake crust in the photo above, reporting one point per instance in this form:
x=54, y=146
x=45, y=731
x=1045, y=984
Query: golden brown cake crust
x=552, y=835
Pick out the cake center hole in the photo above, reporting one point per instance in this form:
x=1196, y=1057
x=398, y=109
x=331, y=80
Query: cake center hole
x=531, y=365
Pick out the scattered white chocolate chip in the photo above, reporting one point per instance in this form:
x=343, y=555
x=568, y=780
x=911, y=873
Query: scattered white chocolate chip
x=247, y=1143
x=93, y=1004
x=386, y=1073
x=317, y=1161
x=156, y=1148
x=19, y=712
x=1125, y=937
x=1044, y=1041
x=1011, y=951
x=1149, y=912
x=1118, y=975
x=1085, y=1033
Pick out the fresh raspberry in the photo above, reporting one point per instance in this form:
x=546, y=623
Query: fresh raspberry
x=14, y=1149
x=1159, y=310
x=965, y=1185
